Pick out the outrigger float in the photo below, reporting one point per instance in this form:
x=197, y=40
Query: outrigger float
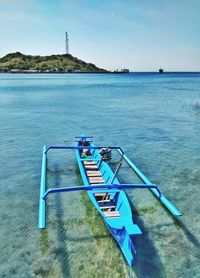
x=104, y=190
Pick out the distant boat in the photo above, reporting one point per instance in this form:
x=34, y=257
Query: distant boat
x=161, y=70
x=125, y=70
x=121, y=71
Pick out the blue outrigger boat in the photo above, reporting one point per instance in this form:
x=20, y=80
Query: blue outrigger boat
x=105, y=191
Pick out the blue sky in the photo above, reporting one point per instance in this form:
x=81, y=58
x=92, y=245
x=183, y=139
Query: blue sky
x=141, y=35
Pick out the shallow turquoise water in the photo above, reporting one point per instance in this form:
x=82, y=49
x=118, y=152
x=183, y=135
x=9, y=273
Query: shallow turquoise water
x=155, y=118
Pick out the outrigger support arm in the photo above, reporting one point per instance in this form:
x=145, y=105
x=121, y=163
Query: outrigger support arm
x=100, y=187
x=81, y=148
x=160, y=196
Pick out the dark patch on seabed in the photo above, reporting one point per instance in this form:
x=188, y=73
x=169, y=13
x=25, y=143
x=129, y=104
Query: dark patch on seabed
x=196, y=106
x=147, y=261
x=187, y=233
x=61, y=232
x=59, y=252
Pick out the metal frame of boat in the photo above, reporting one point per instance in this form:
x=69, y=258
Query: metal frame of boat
x=105, y=192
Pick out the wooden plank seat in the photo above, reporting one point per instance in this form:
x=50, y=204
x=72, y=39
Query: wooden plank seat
x=92, y=171
x=104, y=195
x=107, y=207
x=97, y=182
x=92, y=179
x=105, y=201
x=100, y=194
x=94, y=174
x=91, y=167
x=89, y=162
x=96, y=178
x=111, y=214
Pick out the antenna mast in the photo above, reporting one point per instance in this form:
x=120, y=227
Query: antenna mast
x=66, y=43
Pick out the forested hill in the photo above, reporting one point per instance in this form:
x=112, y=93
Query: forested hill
x=53, y=63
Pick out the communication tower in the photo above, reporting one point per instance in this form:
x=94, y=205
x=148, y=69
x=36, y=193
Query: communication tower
x=66, y=43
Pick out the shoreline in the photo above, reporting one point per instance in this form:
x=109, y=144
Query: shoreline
x=61, y=72
x=106, y=72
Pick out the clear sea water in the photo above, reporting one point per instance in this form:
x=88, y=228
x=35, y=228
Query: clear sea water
x=155, y=118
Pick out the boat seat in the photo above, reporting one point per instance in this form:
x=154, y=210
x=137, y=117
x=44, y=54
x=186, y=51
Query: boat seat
x=106, y=204
x=105, y=201
x=100, y=195
x=111, y=214
x=91, y=172
x=91, y=167
x=96, y=180
x=89, y=162
x=94, y=174
x=107, y=207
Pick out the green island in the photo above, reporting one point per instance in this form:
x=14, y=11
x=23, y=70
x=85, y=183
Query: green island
x=59, y=63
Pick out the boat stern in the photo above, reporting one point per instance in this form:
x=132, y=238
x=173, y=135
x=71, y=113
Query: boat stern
x=124, y=240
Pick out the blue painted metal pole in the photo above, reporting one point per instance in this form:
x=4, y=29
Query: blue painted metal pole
x=42, y=203
x=80, y=148
x=100, y=187
x=161, y=197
